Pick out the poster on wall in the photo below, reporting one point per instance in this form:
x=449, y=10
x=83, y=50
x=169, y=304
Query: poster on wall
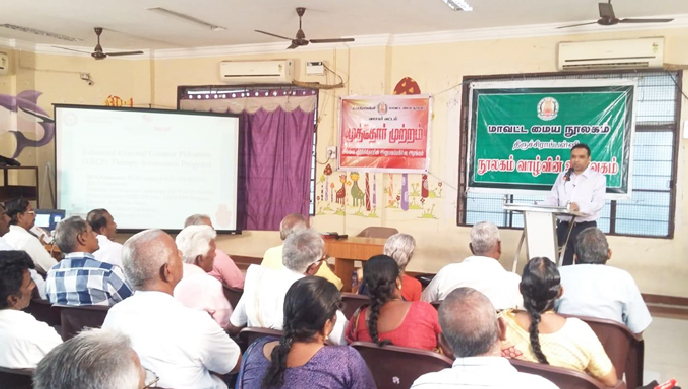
x=521, y=133
x=387, y=134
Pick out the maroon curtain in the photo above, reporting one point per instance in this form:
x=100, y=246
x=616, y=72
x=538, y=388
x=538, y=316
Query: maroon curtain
x=276, y=145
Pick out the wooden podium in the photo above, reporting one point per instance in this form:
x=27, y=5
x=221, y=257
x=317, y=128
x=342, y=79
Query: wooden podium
x=347, y=251
x=540, y=231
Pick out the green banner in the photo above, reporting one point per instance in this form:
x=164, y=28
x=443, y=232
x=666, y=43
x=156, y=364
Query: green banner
x=521, y=136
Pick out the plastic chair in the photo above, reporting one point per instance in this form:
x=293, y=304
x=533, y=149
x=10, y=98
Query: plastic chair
x=377, y=232
x=626, y=353
x=351, y=302
x=398, y=367
x=563, y=378
x=233, y=295
x=15, y=378
x=75, y=319
x=249, y=335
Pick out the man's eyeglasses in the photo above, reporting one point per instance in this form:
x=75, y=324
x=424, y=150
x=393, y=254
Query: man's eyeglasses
x=151, y=379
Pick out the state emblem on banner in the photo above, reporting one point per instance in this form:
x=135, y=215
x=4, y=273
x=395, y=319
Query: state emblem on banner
x=382, y=109
x=548, y=108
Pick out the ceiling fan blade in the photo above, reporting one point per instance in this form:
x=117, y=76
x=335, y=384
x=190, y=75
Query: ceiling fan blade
x=607, y=11
x=67, y=48
x=633, y=20
x=576, y=25
x=333, y=40
x=271, y=34
x=123, y=53
x=293, y=45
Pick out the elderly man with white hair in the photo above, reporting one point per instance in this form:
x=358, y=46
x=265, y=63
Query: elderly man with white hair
x=183, y=346
x=261, y=305
x=481, y=271
x=96, y=358
x=198, y=289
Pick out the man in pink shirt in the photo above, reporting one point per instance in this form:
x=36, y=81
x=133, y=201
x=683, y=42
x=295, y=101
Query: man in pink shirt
x=198, y=289
x=224, y=269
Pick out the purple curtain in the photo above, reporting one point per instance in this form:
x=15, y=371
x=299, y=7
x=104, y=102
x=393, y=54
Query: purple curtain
x=275, y=167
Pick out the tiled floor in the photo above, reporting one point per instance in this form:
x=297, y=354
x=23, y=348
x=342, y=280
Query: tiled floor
x=666, y=350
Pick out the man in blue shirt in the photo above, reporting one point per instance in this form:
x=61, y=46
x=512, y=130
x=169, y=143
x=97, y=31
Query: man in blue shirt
x=80, y=279
x=606, y=292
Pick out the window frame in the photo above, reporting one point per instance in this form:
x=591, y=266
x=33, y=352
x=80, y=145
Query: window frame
x=675, y=128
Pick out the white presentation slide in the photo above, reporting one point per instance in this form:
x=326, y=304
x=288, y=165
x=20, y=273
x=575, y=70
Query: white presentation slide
x=148, y=168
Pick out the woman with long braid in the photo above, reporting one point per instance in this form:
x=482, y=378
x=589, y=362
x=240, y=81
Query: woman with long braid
x=389, y=319
x=538, y=334
x=300, y=359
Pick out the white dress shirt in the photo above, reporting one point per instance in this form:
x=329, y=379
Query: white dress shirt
x=481, y=373
x=199, y=290
x=109, y=251
x=24, y=341
x=179, y=344
x=483, y=274
x=262, y=304
x=587, y=190
x=21, y=239
x=37, y=278
x=604, y=292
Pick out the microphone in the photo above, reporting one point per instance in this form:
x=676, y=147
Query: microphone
x=567, y=176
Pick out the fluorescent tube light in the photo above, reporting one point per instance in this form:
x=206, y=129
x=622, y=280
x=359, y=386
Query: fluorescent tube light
x=167, y=12
x=458, y=5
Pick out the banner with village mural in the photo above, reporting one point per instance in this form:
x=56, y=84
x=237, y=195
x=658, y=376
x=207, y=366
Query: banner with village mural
x=521, y=133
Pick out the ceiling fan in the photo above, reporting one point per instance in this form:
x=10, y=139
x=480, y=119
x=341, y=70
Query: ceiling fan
x=300, y=39
x=98, y=53
x=608, y=18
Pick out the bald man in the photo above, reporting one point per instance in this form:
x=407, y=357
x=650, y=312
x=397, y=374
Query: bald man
x=473, y=333
x=273, y=256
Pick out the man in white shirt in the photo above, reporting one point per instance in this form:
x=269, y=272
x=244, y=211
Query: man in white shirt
x=481, y=271
x=583, y=190
x=105, y=227
x=183, y=346
x=22, y=218
x=473, y=333
x=595, y=290
x=261, y=305
x=24, y=341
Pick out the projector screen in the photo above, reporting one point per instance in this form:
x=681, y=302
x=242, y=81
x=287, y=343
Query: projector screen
x=148, y=168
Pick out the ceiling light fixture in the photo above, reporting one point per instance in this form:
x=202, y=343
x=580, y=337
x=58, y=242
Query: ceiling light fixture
x=34, y=31
x=167, y=12
x=458, y=5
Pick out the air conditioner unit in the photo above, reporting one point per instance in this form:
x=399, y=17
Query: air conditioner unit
x=257, y=72
x=4, y=64
x=643, y=53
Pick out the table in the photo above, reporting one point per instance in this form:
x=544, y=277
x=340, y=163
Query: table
x=54, y=251
x=346, y=251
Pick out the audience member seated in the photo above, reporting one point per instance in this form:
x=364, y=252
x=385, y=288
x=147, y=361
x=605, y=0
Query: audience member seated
x=273, y=256
x=4, y=229
x=80, y=279
x=541, y=335
x=24, y=341
x=401, y=247
x=224, y=268
x=263, y=298
x=482, y=272
x=473, y=334
x=181, y=345
x=22, y=218
x=198, y=289
x=95, y=358
x=389, y=319
x=601, y=291
x=300, y=359
x=103, y=224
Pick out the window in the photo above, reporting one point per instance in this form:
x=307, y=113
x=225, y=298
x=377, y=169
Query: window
x=650, y=210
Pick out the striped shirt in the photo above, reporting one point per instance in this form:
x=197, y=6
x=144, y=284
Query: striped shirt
x=80, y=279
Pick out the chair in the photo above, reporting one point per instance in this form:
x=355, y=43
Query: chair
x=43, y=311
x=436, y=304
x=398, y=367
x=249, y=335
x=75, y=319
x=563, y=378
x=425, y=279
x=626, y=353
x=15, y=378
x=377, y=232
x=233, y=295
x=351, y=302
